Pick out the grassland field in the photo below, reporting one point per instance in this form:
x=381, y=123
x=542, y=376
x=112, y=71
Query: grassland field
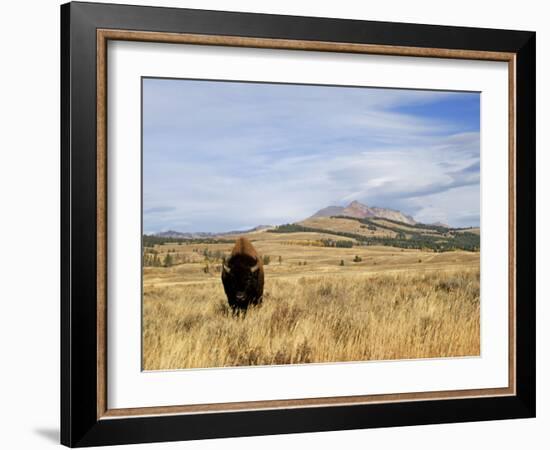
x=321, y=304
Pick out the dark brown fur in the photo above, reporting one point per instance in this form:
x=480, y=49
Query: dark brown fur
x=243, y=276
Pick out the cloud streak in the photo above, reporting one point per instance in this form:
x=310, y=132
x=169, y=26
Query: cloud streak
x=221, y=156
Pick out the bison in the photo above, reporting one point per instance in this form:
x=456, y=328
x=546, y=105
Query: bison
x=243, y=276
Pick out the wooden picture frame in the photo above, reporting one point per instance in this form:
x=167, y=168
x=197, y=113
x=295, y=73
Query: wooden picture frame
x=86, y=418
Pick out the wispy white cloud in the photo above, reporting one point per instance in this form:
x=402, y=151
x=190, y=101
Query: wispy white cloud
x=220, y=156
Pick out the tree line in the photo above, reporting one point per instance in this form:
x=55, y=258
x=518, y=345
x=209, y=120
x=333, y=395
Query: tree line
x=152, y=240
x=409, y=240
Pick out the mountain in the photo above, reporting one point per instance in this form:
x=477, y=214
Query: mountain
x=329, y=211
x=355, y=210
x=360, y=211
x=346, y=226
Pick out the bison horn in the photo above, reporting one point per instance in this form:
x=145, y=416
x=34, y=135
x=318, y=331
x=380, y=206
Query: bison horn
x=253, y=269
x=226, y=268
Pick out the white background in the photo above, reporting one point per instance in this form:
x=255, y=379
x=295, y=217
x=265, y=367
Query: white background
x=29, y=267
x=128, y=387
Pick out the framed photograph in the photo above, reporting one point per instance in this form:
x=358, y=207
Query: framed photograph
x=278, y=224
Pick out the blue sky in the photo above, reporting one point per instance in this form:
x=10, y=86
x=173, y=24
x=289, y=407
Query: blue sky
x=221, y=156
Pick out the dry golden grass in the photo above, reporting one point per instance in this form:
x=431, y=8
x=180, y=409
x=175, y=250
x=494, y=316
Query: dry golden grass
x=355, y=227
x=348, y=226
x=319, y=260
x=314, y=317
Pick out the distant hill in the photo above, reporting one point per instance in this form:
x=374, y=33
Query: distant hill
x=206, y=235
x=179, y=235
x=388, y=232
x=353, y=225
x=441, y=224
x=358, y=210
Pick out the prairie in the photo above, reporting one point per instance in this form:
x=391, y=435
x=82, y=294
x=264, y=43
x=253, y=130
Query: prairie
x=321, y=304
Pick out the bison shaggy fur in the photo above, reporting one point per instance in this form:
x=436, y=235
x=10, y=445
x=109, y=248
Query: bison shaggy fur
x=243, y=276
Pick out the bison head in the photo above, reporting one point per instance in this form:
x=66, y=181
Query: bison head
x=243, y=276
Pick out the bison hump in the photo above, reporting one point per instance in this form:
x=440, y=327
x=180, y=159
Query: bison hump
x=244, y=248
